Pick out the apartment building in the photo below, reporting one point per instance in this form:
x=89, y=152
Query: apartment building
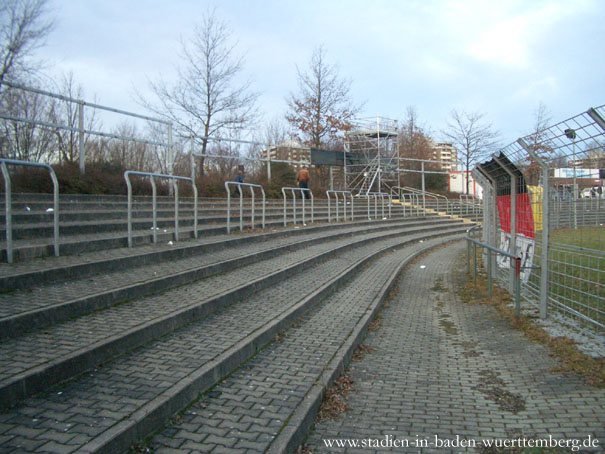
x=445, y=152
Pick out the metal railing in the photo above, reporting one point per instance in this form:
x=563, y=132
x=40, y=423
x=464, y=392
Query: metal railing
x=490, y=250
x=344, y=202
x=382, y=196
x=81, y=130
x=241, y=203
x=152, y=177
x=414, y=201
x=293, y=191
x=8, y=203
x=464, y=201
x=424, y=194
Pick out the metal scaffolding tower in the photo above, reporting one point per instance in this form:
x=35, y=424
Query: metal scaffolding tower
x=371, y=156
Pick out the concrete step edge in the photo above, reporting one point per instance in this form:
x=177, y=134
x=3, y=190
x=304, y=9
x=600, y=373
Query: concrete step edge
x=120, y=437
x=39, y=378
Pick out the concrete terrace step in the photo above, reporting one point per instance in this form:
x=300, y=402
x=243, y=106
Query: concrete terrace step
x=24, y=274
x=87, y=242
x=95, y=222
x=104, y=283
x=109, y=408
x=268, y=405
x=31, y=362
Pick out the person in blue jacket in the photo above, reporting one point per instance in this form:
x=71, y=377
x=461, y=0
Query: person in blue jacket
x=238, y=179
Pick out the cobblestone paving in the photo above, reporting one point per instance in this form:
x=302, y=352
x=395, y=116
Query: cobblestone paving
x=272, y=221
x=245, y=412
x=443, y=369
x=19, y=301
x=38, y=347
x=71, y=414
x=88, y=257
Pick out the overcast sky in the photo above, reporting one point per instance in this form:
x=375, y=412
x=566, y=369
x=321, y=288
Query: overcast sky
x=498, y=57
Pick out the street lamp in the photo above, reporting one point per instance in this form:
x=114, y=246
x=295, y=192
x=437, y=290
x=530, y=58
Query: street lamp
x=571, y=134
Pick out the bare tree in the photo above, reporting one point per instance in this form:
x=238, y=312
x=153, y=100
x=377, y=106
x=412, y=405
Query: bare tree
x=536, y=137
x=416, y=144
x=474, y=137
x=23, y=28
x=65, y=113
x=322, y=108
x=26, y=141
x=206, y=98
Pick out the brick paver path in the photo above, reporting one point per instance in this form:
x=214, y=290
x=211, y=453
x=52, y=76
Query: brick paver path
x=444, y=368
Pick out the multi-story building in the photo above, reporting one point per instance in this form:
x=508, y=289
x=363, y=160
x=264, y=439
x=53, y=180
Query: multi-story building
x=445, y=152
x=290, y=151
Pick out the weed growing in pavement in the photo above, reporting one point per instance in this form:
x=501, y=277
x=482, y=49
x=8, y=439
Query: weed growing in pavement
x=361, y=351
x=571, y=359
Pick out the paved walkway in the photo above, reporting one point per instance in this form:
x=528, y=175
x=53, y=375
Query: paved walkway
x=442, y=369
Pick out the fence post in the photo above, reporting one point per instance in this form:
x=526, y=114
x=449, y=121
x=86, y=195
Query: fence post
x=513, y=216
x=545, y=227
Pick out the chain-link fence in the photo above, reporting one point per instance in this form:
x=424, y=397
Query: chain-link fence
x=545, y=202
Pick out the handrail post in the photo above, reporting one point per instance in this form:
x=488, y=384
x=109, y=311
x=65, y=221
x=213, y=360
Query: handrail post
x=195, y=208
x=9, y=212
x=294, y=205
x=264, y=204
x=375, y=206
x=518, y=286
x=154, y=209
x=241, y=207
x=312, y=207
x=352, y=206
x=302, y=193
x=53, y=176
x=283, y=192
x=336, y=198
x=474, y=262
x=468, y=256
x=329, y=211
x=9, y=208
x=228, y=207
x=176, y=210
x=344, y=207
x=129, y=209
x=390, y=204
x=252, y=213
x=489, y=273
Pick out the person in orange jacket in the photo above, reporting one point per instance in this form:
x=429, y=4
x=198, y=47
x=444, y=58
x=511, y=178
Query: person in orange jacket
x=302, y=179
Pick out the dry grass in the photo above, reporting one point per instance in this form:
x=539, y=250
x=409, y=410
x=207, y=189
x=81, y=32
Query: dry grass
x=570, y=358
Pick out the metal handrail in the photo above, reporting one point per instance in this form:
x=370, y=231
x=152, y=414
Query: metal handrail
x=344, y=201
x=427, y=193
x=381, y=195
x=8, y=203
x=293, y=191
x=154, y=202
x=241, y=203
x=412, y=195
x=515, y=271
x=466, y=198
